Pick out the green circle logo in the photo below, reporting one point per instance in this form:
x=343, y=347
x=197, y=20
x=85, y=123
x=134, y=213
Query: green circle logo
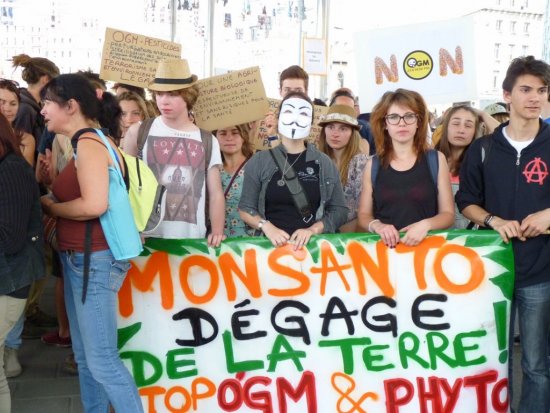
x=418, y=65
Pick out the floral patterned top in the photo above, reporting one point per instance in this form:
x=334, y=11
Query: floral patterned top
x=234, y=226
x=354, y=186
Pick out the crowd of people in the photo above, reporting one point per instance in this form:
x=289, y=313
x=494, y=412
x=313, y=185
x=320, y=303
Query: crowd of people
x=393, y=176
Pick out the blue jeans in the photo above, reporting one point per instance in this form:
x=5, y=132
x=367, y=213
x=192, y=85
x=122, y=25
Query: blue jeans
x=533, y=304
x=13, y=340
x=103, y=377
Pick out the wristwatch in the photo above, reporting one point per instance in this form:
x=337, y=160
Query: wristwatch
x=262, y=223
x=487, y=221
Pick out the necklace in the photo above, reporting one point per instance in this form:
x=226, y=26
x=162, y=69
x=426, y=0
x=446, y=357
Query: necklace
x=282, y=181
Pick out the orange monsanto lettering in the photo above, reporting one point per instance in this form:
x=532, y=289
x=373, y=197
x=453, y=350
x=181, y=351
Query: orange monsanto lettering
x=360, y=259
x=328, y=255
x=157, y=263
x=420, y=253
x=276, y=267
x=249, y=277
x=477, y=269
x=208, y=268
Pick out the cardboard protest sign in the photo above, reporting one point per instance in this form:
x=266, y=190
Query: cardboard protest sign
x=344, y=325
x=261, y=135
x=434, y=59
x=230, y=99
x=133, y=58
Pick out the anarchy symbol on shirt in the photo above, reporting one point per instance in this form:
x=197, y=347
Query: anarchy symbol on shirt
x=536, y=171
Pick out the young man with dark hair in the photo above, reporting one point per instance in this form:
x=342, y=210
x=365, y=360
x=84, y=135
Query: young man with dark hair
x=507, y=189
x=292, y=79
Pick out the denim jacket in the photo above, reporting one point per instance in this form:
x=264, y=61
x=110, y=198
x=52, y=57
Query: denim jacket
x=259, y=171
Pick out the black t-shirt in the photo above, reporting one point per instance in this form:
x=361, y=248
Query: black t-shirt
x=401, y=198
x=280, y=209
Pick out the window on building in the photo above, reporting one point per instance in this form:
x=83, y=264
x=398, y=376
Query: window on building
x=512, y=27
x=498, y=2
x=495, y=79
x=512, y=48
x=524, y=50
x=525, y=3
x=526, y=27
x=499, y=25
x=497, y=51
x=512, y=3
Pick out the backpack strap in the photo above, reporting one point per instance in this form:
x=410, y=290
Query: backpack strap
x=433, y=165
x=143, y=134
x=294, y=186
x=486, y=143
x=206, y=138
x=375, y=167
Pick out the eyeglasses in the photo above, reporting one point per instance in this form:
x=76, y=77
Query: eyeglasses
x=408, y=118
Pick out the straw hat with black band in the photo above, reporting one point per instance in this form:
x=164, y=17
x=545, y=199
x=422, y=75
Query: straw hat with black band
x=172, y=74
x=341, y=114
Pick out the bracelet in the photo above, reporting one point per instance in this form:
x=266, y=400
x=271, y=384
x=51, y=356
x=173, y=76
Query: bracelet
x=487, y=221
x=262, y=223
x=370, y=224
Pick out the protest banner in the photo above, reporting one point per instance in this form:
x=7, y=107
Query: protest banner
x=230, y=99
x=344, y=325
x=261, y=135
x=133, y=58
x=435, y=59
x=314, y=56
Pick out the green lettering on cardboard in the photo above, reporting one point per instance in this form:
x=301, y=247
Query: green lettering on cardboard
x=410, y=353
x=175, y=367
x=277, y=355
x=461, y=349
x=237, y=366
x=370, y=358
x=138, y=360
x=346, y=347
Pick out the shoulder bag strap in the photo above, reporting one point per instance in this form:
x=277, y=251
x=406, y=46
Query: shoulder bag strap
x=143, y=133
x=294, y=186
x=233, y=178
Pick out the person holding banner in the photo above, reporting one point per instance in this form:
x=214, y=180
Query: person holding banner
x=504, y=187
x=177, y=152
x=236, y=150
x=292, y=191
x=459, y=129
x=80, y=196
x=403, y=190
x=341, y=141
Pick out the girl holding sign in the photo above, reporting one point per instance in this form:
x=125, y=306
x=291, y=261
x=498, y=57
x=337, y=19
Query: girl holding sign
x=406, y=186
